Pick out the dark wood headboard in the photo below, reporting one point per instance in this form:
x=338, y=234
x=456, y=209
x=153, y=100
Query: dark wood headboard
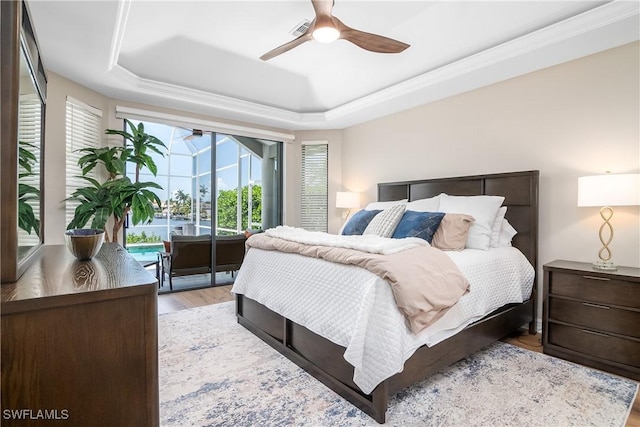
x=520, y=191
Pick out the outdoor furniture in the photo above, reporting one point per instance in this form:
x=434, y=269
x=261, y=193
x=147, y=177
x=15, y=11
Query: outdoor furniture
x=192, y=255
x=148, y=259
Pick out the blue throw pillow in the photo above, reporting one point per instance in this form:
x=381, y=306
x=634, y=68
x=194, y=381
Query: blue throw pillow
x=418, y=224
x=359, y=222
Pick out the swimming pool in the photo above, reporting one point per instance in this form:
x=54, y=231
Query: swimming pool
x=145, y=252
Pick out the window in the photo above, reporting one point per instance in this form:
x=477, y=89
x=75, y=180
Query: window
x=83, y=130
x=313, y=215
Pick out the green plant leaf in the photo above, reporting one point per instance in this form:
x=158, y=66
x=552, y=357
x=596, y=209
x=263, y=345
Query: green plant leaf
x=82, y=215
x=93, y=181
x=149, y=184
x=100, y=218
x=151, y=165
x=24, y=189
x=26, y=158
x=27, y=220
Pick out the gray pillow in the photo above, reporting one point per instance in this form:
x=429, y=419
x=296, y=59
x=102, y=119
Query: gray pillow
x=384, y=224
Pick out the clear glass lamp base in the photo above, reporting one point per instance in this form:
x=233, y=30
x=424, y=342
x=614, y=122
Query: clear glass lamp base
x=605, y=265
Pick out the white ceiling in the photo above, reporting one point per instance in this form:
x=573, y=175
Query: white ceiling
x=203, y=56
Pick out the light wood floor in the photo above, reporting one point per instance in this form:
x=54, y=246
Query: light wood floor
x=168, y=303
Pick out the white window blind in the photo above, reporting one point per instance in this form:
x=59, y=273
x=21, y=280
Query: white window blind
x=82, y=131
x=29, y=131
x=313, y=215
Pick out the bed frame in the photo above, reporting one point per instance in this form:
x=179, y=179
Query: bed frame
x=324, y=359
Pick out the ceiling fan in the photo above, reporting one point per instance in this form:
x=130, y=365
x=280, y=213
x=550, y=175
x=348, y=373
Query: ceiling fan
x=326, y=28
x=195, y=133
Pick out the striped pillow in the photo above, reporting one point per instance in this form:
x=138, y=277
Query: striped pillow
x=385, y=223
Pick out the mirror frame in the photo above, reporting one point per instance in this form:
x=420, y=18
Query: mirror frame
x=17, y=34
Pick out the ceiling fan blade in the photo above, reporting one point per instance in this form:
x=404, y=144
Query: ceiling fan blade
x=322, y=7
x=368, y=41
x=287, y=46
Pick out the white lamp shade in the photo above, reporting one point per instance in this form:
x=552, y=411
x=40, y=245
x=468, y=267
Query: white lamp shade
x=609, y=190
x=348, y=200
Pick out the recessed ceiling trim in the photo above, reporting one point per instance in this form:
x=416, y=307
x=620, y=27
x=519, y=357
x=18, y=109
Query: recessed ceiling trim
x=592, y=20
x=124, y=6
x=189, y=122
x=442, y=82
x=199, y=97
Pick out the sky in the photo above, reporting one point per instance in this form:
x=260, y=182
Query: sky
x=181, y=144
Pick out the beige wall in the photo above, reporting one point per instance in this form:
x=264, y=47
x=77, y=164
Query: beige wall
x=578, y=118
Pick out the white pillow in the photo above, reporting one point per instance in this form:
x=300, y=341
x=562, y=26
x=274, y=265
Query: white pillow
x=506, y=234
x=497, y=227
x=432, y=204
x=385, y=223
x=483, y=208
x=380, y=206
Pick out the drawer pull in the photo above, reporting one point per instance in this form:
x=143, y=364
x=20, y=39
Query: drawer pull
x=588, y=304
x=596, y=333
x=604, y=279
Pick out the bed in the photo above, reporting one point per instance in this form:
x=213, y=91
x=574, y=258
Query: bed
x=325, y=360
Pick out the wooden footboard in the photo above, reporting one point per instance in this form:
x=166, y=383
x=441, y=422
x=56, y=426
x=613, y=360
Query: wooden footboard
x=324, y=360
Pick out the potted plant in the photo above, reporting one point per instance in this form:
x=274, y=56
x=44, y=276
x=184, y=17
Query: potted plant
x=118, y=195
x=27, y=220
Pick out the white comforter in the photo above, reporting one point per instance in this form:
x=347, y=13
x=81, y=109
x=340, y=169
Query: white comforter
x=370, y=243
x=355, y=309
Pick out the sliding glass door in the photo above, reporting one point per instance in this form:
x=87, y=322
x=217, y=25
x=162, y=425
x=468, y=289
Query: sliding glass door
x=243, y=191
x=248, y=184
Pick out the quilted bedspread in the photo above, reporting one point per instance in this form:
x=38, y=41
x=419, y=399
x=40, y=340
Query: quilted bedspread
x=424, y=280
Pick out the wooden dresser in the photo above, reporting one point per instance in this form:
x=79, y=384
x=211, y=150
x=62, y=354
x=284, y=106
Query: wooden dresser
x=80, y=342
x=592, y=317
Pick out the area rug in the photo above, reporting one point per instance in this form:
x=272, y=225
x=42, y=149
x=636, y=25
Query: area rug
x=213, y=372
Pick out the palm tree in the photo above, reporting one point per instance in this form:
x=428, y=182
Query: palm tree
x=183, y=202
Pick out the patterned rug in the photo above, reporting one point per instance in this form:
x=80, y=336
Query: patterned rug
x=213, y=372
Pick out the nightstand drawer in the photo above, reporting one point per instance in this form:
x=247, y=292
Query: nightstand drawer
x=602, y=290
x=592, y=343
x=595, y=316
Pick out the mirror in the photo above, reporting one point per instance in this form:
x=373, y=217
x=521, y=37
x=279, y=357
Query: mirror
x=23, y=94
x=30, y=107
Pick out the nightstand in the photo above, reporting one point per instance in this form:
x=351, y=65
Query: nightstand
x=592, y=317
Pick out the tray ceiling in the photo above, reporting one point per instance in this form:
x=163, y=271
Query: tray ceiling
x=203, y=56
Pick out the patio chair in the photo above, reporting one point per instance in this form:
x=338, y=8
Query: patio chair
x=192, y=255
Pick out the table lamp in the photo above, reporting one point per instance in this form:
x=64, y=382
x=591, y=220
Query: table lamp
x=606, y=191
x=347, y=200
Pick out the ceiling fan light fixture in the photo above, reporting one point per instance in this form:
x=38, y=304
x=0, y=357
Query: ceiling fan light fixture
x=326, y=28
x=326, y=34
